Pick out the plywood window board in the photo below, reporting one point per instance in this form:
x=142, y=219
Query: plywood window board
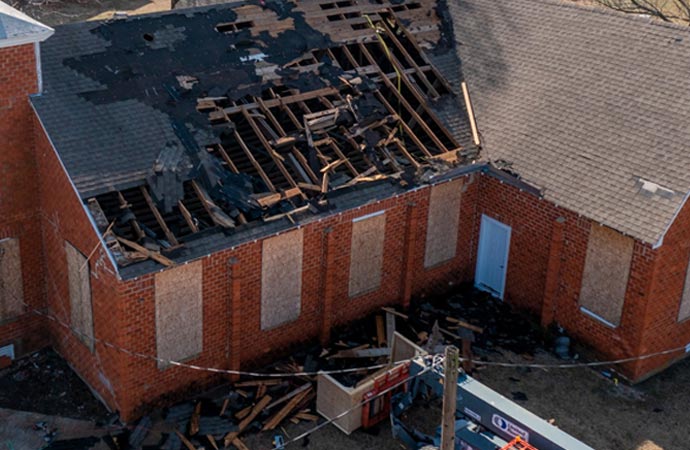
x=281, y=279
x=684, y=311
x=442, y=223
x=81, y=309
x=179, y=313
x=366, y=254
x=11, y=282
x=606, y=273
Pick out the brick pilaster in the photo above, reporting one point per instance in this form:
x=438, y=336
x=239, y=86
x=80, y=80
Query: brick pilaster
x=410, y=245
x=548, y=309
x=235, y=335
x=328, y=273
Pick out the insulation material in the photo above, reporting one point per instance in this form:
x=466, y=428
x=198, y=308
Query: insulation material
x=81, y=313
x=684, y=311
x=366, y=257
x=442, y=224
x=281, y=279
x=179, y=313
x=605, y=277
x=11, y=285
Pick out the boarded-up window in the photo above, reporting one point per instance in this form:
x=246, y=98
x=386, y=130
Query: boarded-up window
x=179, y=313
x=684, y=311
x=11, y=285
x=281, y=279
x=605, y=276
x=81, y=313
x=366, y=254
x=442, y=224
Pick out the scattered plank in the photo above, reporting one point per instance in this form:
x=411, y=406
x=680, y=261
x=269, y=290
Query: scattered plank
x=380, y=331
x=239, y=444
x=226, y=402
x=141, y=249
x=289, y=395
x=395, y=313
x=255, y=411
x=194, y=421
x=464, y=324
x=212, y=441
x=185, y=441
x=284, y=411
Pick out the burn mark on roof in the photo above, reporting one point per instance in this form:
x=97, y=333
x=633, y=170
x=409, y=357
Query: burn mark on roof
x=271, y=110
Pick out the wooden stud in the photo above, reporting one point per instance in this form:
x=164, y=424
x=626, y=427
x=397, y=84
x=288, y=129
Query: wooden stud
x=159, y=218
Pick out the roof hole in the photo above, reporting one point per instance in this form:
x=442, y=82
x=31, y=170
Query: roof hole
x=148, y=37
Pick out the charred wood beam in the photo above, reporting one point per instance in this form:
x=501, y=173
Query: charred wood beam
x=406, y=128
x=403, y=101
x=283, y=100
x=272, y=153
x=254, y=162
x=410, y=61
x=136, y=229
x=159, y=218
x=187, y=217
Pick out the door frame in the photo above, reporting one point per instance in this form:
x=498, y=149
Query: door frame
x=482, y=238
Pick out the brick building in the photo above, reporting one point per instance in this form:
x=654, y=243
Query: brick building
x=215, y=185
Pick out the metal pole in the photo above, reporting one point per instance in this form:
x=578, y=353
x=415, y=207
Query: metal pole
x=450, y=395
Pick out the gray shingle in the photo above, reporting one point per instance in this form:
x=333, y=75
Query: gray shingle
x=584, y=102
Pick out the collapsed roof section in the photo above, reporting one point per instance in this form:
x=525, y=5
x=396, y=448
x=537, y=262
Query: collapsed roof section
x=264, y=116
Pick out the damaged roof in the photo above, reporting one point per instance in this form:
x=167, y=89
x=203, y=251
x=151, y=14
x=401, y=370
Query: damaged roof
x=230, y=120
x=590, y=105
x=16, y=28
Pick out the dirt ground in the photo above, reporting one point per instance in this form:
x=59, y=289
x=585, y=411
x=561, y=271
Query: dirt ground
x=58, y=12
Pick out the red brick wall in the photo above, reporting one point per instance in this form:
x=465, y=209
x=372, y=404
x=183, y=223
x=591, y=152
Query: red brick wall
x=64, y=218
x=233, y=337
x=532, y=262
x=661, y=329
x=324, y=282
x=19, y=208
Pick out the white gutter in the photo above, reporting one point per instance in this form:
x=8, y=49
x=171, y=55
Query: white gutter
x=660, y=242
x=76, y=192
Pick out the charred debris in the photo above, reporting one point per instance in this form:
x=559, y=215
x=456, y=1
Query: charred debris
x=277, y=107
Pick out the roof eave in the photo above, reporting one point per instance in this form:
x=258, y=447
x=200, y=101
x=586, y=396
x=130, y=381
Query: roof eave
x=32, y=38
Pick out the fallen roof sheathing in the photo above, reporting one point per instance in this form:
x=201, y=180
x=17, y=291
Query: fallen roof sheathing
x=238, y=115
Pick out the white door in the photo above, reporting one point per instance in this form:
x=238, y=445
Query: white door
x=492, y=256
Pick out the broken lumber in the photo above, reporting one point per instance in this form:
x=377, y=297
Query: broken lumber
x=151, y=254
x=185, y=441
x=380, y=331
x=284, y=411
x=289, y=395
x=212, y=441
x=194, y=422
x=256, y=410
x=239, y=444
x=394, y=312
x=464, y=324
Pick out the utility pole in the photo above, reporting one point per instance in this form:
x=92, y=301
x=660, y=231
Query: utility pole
x=450, y=396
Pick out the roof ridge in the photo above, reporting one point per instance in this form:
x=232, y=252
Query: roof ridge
x=640, y=18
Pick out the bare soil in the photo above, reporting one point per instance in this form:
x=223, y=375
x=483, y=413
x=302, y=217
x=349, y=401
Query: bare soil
x=58, y=12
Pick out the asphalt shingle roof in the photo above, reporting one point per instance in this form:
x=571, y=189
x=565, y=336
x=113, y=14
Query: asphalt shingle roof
x=588, y=104
x=18, y=28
